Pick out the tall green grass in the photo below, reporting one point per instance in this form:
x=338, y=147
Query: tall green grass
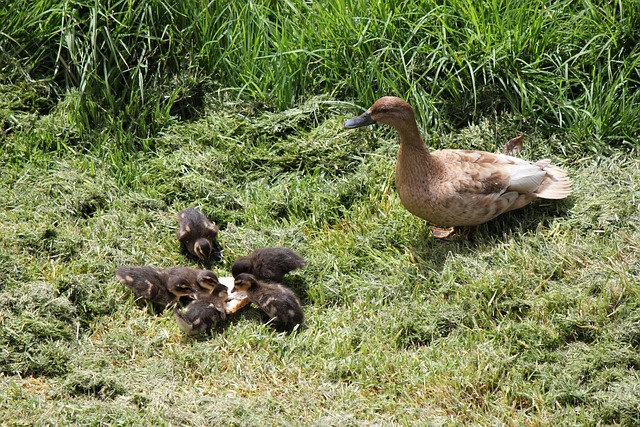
x=132, y=66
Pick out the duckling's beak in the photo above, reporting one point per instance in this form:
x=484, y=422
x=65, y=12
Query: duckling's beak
x=363, y=119
x=217, y=252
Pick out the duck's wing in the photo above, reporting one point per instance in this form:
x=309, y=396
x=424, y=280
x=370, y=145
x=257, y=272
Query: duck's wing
x=185, y=226
x=479, y=172
x=145, y=282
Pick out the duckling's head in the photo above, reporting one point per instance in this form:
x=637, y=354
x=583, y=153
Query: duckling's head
x=181, y=289
x=241, y=265
x=202, y=248
x=243, y=282
x=207, y=248
x=209, y=280
x=389, y=110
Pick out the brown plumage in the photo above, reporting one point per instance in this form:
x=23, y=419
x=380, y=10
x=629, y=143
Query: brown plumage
x=459, y=187
x=268, y=263
x=146, y=282
x=164, y=287
x=198, y=236
x=191, y=282
x=279, y=302
x=203, y=314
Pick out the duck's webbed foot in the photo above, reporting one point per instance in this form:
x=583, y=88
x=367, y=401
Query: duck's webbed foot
x=453, y=233
x=443, y=233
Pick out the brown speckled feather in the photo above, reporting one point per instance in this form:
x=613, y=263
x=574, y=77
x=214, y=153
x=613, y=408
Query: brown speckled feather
x=275, y=299
x=146, y=282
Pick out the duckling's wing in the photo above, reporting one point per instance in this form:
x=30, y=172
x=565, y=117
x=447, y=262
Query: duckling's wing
x=187, y=222
x=145, y=282
x=208, y=229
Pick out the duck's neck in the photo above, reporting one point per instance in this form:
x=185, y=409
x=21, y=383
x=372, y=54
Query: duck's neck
x=415, y=163
x=413, y=150
x=410, y=137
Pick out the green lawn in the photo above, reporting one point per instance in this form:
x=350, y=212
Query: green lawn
x=533, y=322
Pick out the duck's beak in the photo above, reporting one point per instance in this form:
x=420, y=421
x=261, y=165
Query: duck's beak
x=363, y=119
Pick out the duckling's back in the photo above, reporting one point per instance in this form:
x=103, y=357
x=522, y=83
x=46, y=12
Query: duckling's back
x=269, y=263
x=145, y=282
x=278, y=302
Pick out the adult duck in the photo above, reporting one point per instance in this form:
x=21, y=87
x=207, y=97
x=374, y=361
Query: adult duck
x=451, y=188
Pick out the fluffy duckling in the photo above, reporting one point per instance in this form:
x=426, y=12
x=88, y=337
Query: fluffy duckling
x=268, y=263
x=198, y=236
x=451, y=188
x=203, y=314
x=146, y=282
x=278, y=301
x=191, y=282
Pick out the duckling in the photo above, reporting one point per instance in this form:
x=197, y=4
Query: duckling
x=146, y=282
x=268, y=263
x=278, y=301
x=452, y=188
x=203, y=314
x=198, y=236
x=190, y=282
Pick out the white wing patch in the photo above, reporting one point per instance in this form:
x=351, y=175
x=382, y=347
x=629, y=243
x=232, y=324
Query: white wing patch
x=525, y=178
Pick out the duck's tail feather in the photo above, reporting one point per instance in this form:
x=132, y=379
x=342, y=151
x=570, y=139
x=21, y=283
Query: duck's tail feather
x=556, y=184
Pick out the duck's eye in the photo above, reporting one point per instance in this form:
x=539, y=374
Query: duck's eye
x=384, y=109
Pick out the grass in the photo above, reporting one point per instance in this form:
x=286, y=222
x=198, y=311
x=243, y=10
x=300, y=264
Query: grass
x=133, y=66
x=532, y=323
x=116, y=116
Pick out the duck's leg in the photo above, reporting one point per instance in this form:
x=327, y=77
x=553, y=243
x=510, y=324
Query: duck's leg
x=442, y=233
x=451, y=233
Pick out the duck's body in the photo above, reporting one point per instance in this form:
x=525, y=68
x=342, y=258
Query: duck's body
x=460, y=187
x=203, y=314
x=198, y=236
x=268, y=263
x=198, y=317
x=167, y=286
x=275, y=299
x=192, y=282
x=146, y=282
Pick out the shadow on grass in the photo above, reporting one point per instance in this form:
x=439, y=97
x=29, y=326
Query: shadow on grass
x=499, y=230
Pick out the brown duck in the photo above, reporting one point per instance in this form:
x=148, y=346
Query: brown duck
x=191, y=282
x=276, y=300
x=203, y=314
x=163, y=287
x=198, y=236
x=148, y=283
x=268, y=263
x=452, y=188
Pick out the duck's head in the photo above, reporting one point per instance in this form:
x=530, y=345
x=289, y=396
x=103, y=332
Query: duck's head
x=206, y=248
x=209, y=280
x=241, y=265
x=389, y=110
x=243, y=282
x=202, y=248
x=181, y=289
